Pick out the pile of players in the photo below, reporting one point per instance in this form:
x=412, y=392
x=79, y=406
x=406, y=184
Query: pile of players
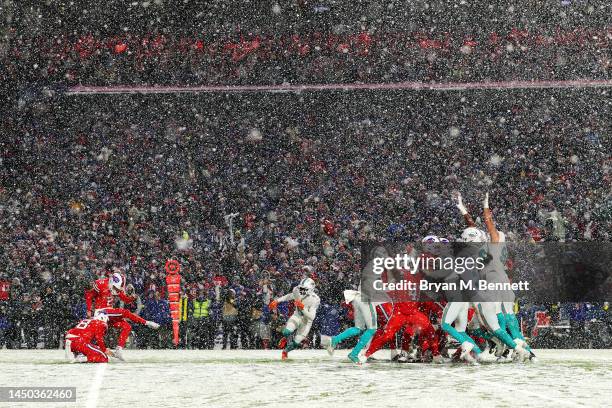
x=408, y=324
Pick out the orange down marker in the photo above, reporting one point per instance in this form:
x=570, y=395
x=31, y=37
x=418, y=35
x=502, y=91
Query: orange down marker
x=173, y=281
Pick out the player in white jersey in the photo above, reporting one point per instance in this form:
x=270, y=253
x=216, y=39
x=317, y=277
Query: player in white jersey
x=456, y=310
x=489, y=304
x=496, y=272
x=365, y=324
x=306, y=303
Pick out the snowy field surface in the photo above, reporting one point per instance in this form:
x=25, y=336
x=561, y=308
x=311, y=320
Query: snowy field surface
x=244, y=378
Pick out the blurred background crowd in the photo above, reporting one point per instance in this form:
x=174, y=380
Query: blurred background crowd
x=253, y=191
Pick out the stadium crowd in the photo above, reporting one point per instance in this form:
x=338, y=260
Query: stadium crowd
x=318, y=57
x=251, y=192
x=303, y=42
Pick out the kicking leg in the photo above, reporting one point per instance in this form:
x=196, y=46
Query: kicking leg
x=285, y=342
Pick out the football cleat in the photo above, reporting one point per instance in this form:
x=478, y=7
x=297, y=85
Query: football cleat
x=402, y=357
x=467, y=355
x=500, y=347
x=520, y=354
x=80, y=358
x=118, y=353
x=438, y=359
x=330, y=347
x=355, y=359
x=284, y=355
x=282, y=343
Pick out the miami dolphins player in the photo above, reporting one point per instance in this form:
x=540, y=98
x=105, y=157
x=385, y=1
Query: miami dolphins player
x=456, y=310
x=489, y=305
x=306, y=303
x=365, y=324
x=364, y=310
x=496, y=272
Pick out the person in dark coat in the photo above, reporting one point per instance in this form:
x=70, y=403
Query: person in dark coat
x=157, y=310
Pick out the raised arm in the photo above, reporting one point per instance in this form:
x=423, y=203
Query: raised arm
x=274, y=303
x=488, y=219
x=287, y=297
x=466, y=216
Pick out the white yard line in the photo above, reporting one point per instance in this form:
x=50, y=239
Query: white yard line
x=94, y=389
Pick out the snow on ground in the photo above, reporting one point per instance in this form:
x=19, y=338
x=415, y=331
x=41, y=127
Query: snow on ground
x=254, y=378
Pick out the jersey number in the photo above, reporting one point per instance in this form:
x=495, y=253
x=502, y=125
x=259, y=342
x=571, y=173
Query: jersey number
x=83, y=324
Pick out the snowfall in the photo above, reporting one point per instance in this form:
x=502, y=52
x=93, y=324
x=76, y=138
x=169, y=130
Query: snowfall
x=311, y=378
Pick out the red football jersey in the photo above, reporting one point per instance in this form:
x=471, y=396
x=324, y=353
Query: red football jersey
x=102, y=296
x=405, y=308
x=383, y=313
x=88, y=330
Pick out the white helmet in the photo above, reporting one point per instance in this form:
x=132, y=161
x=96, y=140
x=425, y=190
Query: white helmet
x=116, y=280
x=431, y=244
x=473, y=234
x=306, y=286
x=102, y=316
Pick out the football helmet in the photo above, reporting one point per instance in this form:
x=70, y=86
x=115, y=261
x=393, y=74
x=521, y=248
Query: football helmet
x=473, y=234
x=116, y=281
x=102, y=316
x=306, y=286
x=431, y=245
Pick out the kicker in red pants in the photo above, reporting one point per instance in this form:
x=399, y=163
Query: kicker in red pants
x=117, y=318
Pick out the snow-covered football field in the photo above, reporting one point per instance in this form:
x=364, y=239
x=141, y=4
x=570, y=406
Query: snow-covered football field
x=244, y=378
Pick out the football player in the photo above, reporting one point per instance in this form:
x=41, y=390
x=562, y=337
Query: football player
x=85, y=341
x=306, y=303
x=102, y=295
x=489, y=307
x=365, y=325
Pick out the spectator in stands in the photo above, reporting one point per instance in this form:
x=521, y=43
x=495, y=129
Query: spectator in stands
x=4, y=325
x=230, y=317
x=5, y=285
x=201, y=320
x=157, y=310
x=51, y=317
x=185, y=320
